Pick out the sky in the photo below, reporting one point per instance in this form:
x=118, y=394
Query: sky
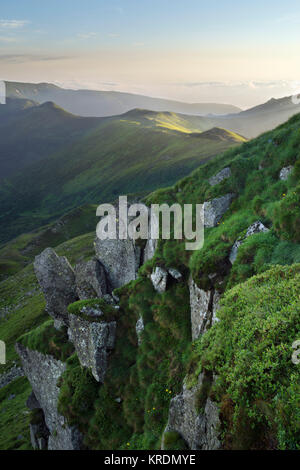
x=229, y=51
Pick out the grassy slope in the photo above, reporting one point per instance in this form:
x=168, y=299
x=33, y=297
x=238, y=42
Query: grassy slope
x=22, y=308
x=135, y=152
x=147, y=377
x=30, y=132
x=19, y=252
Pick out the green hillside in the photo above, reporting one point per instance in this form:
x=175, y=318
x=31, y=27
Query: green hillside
x=249, y=351
x=136, y=152
x=30, y=132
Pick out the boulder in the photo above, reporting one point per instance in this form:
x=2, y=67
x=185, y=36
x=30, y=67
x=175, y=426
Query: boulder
x=285, y=173
x=90, y=280
x=175, y=274
x=199, y=428
x=93, y=341
x=120, y=258
x=256, y=227
x=215, y=209
x=204, y=307
x=43, y=372
x=57, y=280
x=159, y=278
x=219, y=177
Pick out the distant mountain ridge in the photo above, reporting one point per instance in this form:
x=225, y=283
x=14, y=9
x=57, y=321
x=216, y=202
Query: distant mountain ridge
x=108, y=103
x=52, y=161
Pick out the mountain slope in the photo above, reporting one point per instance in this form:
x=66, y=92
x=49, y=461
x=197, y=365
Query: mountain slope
x=108, y=103
x=250, y=381
x=29, y=132
x=132, y=153
x=259, y=119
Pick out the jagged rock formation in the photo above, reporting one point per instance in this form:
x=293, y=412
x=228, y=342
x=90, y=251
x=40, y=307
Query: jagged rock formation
x=204, y=307
x=90, y=280
x=285, y=173
x=57, y=280
x=197, y=423
x=256, y=227
x=43, y=372
x=93, y=341
x=215, y=209
x=159, y=279
x=219, y=177
x=120, y=258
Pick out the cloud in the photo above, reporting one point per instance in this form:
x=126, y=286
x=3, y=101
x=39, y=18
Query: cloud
x=87, y=35
x=7, y=39
x=113, y=35
x=13, y=24
x=22, y=58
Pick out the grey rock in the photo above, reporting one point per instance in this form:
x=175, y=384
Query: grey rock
x=159, y=278
x=204, y=306
x=256, y=227
x=285, y=173
x=175, y=274
x=57, y=280
x=90, y=280
x=199, y=429
x=215, y=209
x=120, y=258
x=93, y=342
x=149, y=250
x=43, y=373
x=219, y=177
x=139, y=328
x=13, y=374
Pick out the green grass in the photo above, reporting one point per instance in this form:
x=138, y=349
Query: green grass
x=118, y=157
x=250, y=351
x=20, y=252
x=15, y=416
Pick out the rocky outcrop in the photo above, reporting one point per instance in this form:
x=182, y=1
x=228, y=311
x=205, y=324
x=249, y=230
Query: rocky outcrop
x=215, y=209
x=57, y=280
x=175, y=274
x=256, y=227
x=90, y=280
x=219, y=177
x=120, y=258
x=197, y=423
x=93, y=341
x=159, y=278
x=204, y=307
x=43, y=373
x=285, y=173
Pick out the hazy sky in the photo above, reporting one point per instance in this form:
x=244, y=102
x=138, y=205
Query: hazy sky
x=242, y=52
